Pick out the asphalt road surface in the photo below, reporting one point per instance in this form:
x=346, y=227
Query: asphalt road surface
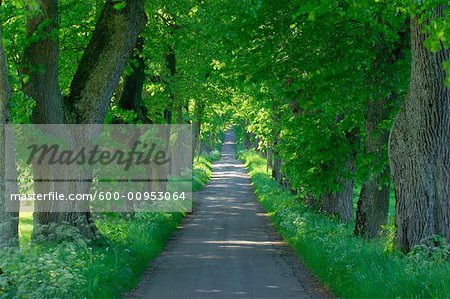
x=227, y=247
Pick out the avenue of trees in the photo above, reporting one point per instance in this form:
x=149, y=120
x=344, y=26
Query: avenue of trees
x=345, y=94
x=341, y=96
x=66, y=62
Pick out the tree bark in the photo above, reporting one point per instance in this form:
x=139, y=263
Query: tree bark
x=269, y=156
x=419, y=150
x=373, y=202
x=247, y=139
x=42, y=86
x=341, y=203
x=91, y=89
x=179, y=111
x=277, y=162
x=131, y=97
x=311, y=201
x=197, y=125
x=9, y=222
x=41, y=64
x=103, y=62
x=170, y=60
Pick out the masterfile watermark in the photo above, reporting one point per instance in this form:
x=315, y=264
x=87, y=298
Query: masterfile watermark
x=100, y=196
x=56, y=156
x=73, y=168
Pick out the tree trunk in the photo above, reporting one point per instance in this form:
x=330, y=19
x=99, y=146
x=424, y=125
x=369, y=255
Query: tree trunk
x=276, y=158
x=91, y=89
x=42, y=85
x=103, y=62
x=170, y=60
x=419, y=150
x=277, y=162
x=311, y=201
x=276, y=171
x=341, y=203
x=131, y=97
x=246, y=137
x=8, y=221
x=268, y=157
x=373, y=202
x=179, y=111
x=197, y=125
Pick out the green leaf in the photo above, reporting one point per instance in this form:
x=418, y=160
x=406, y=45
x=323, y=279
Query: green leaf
x=120, y=5
x=25, y=79
x=447, y=69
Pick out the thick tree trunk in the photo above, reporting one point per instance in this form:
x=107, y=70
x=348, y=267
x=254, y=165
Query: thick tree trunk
x=43, y=87
x=312, y=201
x=103, y=62
x=419, y=150
x=8, y=221
x=341, y=203
x=373, y=202
x=91, y=89
x=373, y=206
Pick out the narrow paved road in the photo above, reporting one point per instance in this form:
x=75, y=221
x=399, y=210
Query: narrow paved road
x=227, y=247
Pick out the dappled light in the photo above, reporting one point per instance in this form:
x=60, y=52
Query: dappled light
x=224, y=149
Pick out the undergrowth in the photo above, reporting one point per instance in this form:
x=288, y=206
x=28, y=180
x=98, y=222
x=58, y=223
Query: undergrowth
x=76, y=268
x=350, y=266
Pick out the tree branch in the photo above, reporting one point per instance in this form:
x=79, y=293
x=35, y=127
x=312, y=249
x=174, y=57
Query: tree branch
x=41, y=63
x=103, y=62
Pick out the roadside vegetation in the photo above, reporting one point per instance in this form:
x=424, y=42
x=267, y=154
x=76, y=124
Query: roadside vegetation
x=350, y=266
x=77, y=268
x=347, y=101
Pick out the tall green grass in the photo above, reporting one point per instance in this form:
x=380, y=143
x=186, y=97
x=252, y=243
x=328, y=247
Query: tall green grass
x=75, y=268
x=202, y=169
x=350, y=266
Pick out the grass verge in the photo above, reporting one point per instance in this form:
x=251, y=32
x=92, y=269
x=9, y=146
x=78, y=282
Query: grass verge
x=350, y=266
x=75, y=268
